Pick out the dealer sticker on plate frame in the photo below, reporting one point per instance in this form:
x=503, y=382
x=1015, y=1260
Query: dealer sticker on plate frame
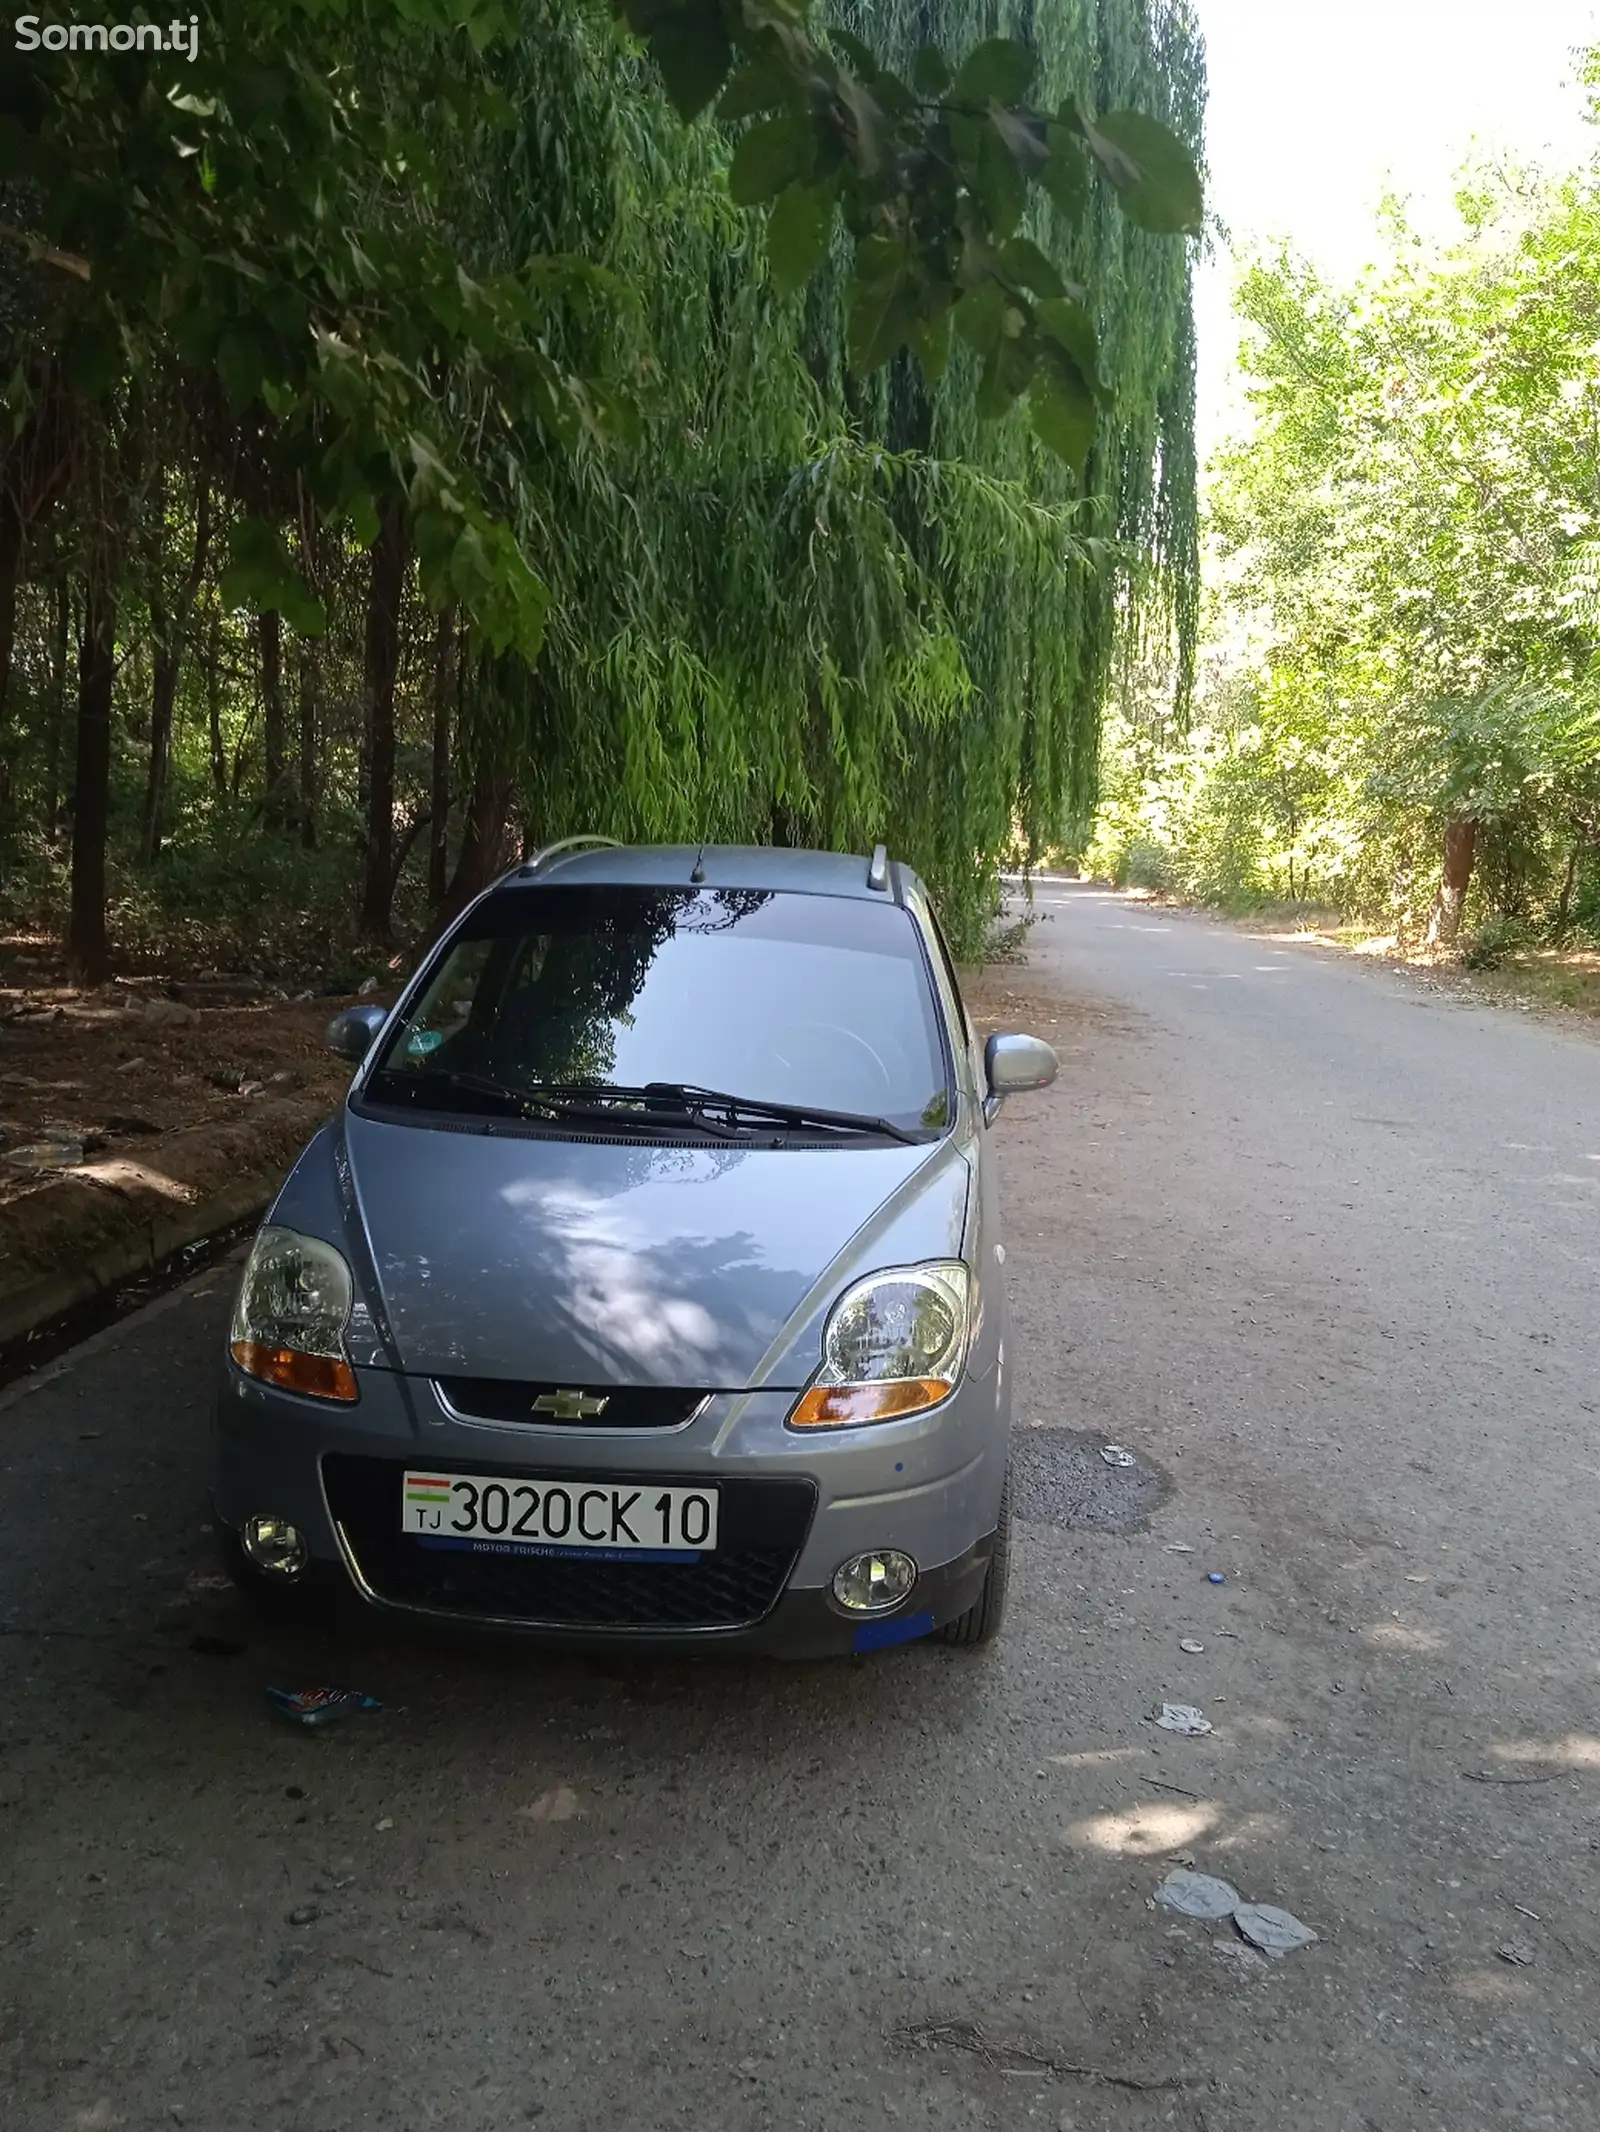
x=489, y=1513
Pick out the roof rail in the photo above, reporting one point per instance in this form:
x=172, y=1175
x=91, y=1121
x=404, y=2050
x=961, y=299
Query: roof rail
x=878, y=871
x=547, y=852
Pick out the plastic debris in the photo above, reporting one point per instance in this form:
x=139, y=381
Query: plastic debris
x=1191, y=1644
x=1114, y=1455
x=1184, y=1718
x=1517, y=1952
x=1178, y=1547
x=319, y=1706
x=1198, y=1895
x=1274, y=1931
x=1215, y=1576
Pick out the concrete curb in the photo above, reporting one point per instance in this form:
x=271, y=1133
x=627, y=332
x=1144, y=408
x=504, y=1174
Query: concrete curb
x=90, y=1229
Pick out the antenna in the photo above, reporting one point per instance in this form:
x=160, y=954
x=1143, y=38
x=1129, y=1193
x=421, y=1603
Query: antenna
x=698, y=872
x=878, y=871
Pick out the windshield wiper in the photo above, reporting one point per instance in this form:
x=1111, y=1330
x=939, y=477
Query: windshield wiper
x=696, y=1100
x=517, y=1101
x=670, y=1103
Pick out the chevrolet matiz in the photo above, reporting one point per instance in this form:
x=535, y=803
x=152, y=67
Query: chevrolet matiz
x=648, y=1288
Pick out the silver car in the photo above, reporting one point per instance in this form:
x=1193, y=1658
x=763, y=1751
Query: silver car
x=648, y=1288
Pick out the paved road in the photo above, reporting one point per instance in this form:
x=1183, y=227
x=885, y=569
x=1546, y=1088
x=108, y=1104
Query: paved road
x=1318, y=1247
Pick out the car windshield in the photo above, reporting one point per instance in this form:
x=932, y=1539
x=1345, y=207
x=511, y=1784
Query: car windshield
x=815, y=1002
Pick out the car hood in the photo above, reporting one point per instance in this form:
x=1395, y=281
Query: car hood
x=580, y=1262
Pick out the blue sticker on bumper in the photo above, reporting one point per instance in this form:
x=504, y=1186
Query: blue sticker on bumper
x=873, y=1635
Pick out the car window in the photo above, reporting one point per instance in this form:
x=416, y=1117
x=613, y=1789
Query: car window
x=776, y=997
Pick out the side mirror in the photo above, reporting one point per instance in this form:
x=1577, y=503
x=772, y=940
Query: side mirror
x=350, y=1034
x=1014, y=1064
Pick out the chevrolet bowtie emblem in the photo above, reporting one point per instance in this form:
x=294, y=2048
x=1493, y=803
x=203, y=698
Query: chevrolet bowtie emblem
x=570, y=1406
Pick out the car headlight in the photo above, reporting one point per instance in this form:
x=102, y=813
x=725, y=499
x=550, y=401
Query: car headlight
x=894, y=1344
x=288, y=1324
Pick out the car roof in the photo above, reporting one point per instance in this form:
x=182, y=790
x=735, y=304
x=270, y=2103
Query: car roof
x=812, y=873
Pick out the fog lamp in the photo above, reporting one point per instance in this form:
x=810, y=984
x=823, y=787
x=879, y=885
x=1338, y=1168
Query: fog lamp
x=871, y=1584
x=275, y=1546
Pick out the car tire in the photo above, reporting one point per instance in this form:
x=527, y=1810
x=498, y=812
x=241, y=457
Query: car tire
x=981, y=1623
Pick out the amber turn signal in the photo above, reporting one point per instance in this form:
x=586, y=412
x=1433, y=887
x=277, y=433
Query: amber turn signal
x=318, y=1376
x=836, y=1406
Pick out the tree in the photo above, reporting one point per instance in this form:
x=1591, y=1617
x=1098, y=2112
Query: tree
x=840, y=525
x=1406, y=576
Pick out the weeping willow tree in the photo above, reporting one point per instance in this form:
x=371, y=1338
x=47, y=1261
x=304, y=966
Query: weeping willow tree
x=410, y=429
x=804, y=608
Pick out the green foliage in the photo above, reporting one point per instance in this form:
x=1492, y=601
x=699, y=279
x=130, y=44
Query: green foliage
x=1487, y=947
x=1406, y=607
x=744, y=541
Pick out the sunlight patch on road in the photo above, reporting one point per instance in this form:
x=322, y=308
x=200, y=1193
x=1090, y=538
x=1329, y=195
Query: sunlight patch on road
x=1579, y=1750
x=1401, y=1636
x=1492, y=1987
x=1145, y=1831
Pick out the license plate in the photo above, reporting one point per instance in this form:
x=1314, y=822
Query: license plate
x=484, y=1513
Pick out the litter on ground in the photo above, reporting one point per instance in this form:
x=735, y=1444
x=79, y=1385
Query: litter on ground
x=1183, y=1718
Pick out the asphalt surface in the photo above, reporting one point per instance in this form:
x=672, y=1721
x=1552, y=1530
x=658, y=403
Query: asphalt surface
x=1314, y=1244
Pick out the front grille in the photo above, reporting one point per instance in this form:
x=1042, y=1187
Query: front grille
x=628, y=1406
x=761, y=1524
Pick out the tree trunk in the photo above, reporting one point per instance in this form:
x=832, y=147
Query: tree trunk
x=219, y=759
x=1564, y=907
x=408, y=837
x=485, y=846
x=1460, y=849
x=88, y=948
x=60, y=641
x=269, y=639
x=381, y=667
x=171, y=634
x=307, y=720
x=446, y=652
x=11, y=544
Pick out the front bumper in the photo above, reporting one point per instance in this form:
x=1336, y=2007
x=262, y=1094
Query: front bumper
x=930, y=1485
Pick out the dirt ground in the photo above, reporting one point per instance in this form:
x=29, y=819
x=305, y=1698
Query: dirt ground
x=87, y=1073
